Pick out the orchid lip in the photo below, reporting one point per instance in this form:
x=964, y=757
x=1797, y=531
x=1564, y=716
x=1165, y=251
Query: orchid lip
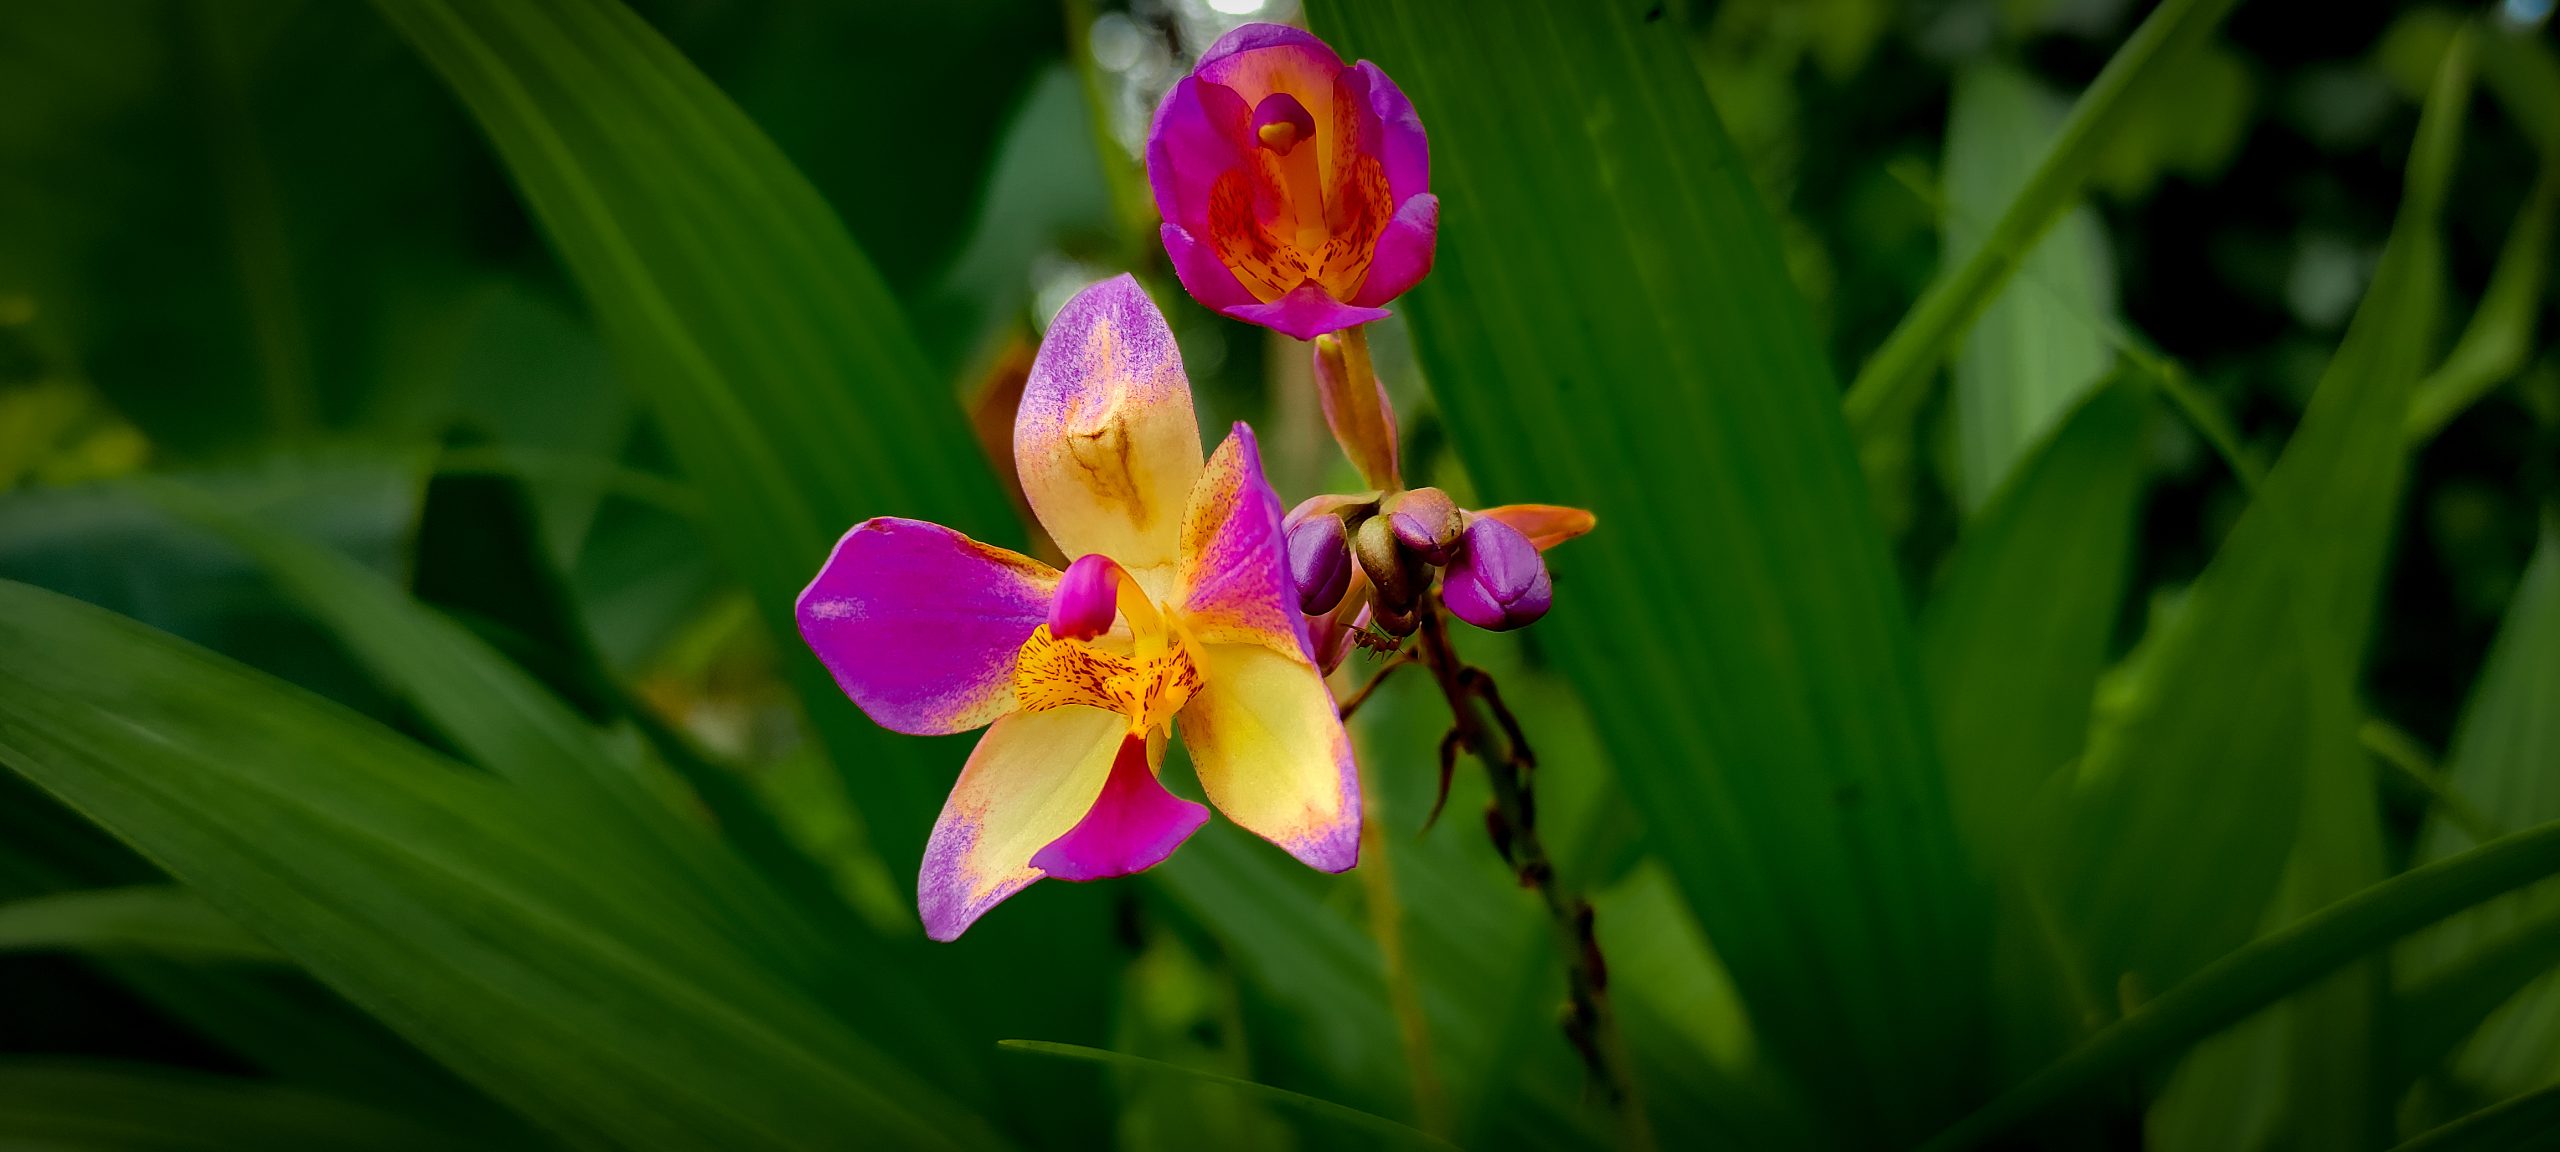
x=1281, y=123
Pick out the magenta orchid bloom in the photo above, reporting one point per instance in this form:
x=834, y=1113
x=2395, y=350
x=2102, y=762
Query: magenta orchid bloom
x=1178, y=609
x=1294, y=190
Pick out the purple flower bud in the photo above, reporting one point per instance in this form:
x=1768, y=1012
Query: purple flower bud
x=1319, y=563
x=1428, y=522
x=1498, y=581
x=1088, y=598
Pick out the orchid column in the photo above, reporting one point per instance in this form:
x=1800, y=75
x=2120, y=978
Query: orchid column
x=1295, y=195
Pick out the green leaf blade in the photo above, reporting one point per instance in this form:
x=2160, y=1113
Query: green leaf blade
x=432, y=899
x=1610, y=325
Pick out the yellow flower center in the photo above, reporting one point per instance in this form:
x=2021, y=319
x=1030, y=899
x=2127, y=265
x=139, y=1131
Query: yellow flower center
x=1148, y=683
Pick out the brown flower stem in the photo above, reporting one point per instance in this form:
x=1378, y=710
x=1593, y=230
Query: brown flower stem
x=1360, y=696
x=1488, y=730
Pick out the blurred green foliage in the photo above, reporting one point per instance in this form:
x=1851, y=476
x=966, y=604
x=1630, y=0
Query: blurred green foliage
x=2135, y=728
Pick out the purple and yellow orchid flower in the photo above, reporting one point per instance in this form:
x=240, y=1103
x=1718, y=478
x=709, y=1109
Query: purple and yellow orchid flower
x=1295, y=190
x=1177, y=611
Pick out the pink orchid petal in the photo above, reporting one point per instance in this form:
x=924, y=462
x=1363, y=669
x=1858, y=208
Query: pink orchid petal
x=1333, y=630
x=919, y=624
x=1197, y=135
x=1305, y=313
x=1248, y=37
x=1404, y=252
x=1031, y=780
x=1401, y=145
x=1272, y=755
x=1256, y=60
x=1133, y=826
x=1206, y=277
x=1105, y=440
x=1234, y=581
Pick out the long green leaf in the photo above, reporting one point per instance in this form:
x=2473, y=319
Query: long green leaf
x=2016, y=633
x=789, y=386
x=443, y=904
x=2433, y=1014
x=2267, y=970
x=2502, y=762
x=1952, y=302
x=2036, y=349
x=1611, y=325
x=782, y=371
x=2523, y=1124
x=2499, y=339
x=626, y=807
x=1376, y=1127
x=153, y=920
x=2165, y=847
x=137, y=1109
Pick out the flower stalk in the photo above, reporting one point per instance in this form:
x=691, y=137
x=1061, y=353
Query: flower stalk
x=1415, y=523
x=1485, y=728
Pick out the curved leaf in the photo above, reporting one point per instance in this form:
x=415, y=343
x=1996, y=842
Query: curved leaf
x=154, y=920
x=442, y=903
x=781, y=370
x=1377, y=1127
x=1959, y=294
x=138, y=1109
x=2267, y=970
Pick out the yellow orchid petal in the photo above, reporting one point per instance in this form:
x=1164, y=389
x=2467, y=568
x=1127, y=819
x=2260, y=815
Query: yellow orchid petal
x=1105, y=441
x=1272, y=755
x=1032, y=778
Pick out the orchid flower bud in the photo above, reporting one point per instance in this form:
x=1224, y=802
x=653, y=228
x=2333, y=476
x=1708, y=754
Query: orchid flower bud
x=1320, y=563
x=1498, y=582
x=1396, y=621
x=1382, y=557
x=1088, y=598
x=1428, y=522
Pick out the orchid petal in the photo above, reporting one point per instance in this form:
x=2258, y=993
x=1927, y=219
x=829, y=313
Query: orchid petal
x=1202, y=273
x=1234, y=583
x=1305, y=313
x=1404, y=252
x=1199, y=133
x=1332, y=632
x=1031, y=780
x=1546, y=525
x=1272, y=755
x=1400, y=144
x=1133, y=826
x=1105, y=440
x=1258, y=60
x=1248, y=37
x=919, y=623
